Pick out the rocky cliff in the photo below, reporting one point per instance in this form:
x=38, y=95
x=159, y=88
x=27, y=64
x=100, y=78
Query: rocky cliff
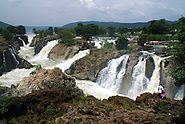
x=88, y=67
x=8, y=55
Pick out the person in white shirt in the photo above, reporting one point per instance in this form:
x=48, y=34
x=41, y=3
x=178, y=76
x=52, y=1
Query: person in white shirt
x=160, y=90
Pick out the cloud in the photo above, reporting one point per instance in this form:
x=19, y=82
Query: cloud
x=88, y=3
x=59, y=12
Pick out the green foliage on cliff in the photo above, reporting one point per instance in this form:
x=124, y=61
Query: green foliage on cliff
x=177, y=50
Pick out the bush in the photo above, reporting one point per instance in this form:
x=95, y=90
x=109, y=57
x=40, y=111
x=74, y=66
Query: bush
x=68, y=42
x=5, y=102
x=121, y=43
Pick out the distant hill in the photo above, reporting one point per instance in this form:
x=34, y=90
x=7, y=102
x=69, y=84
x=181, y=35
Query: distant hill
x=3, y=25
x=111, y=24
x=115, y=24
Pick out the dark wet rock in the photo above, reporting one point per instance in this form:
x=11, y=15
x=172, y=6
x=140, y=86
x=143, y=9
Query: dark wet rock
x=150, y=66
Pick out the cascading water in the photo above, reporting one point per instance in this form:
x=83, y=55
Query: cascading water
x=13, y=55
x=27, y=52
x=180, y=94
x=16, y=75
x=67, y=63
x=42, y=56
x=111, y=76
x=139, y=80
x=94, y=89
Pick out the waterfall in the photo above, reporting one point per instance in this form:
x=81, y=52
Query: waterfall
x=27, y=52
x=13, y=55
x=180, y=94
x=139, y=80
x=4, y=59
x=94, y=89
x=155, y=79
x=22, y=41
x=111, y=76
x=42, y=56
x=65, y=64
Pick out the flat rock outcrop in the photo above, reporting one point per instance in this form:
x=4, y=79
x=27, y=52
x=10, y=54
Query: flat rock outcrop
x=63, y=52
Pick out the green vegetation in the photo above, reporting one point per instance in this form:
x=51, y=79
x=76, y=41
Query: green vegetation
x=44, y=33
x=87, y=31
x=66, y=36
x=158, y=30
x=37, y=68
x=176, y=49
x=121, y=43
x=10, y=31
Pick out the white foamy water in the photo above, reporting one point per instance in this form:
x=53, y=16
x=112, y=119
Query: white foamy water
x=42, y=56
x=14, y=76
x=27, y=52
x=180, y=94
x=92, y=88
x=139, y=80
x=67, y=63
x=111, y=76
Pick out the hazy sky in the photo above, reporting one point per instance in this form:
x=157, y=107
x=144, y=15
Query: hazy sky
x=60, y=12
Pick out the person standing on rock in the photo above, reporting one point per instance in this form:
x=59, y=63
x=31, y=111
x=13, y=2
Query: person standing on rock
x=160, y=90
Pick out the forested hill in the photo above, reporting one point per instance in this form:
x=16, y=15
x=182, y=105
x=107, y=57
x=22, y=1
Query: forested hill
x=111, y=24
x=3, y=25
x=114, y=24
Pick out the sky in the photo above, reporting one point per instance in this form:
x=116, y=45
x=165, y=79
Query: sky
x=60, y=12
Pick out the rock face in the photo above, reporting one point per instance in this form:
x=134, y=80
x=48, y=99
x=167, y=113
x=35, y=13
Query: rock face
x=38, y=43
x=126, y=82
x=10, y=60
x=88, y=67
x=19, y=40
x=63, y=52
x=166, y=79
x=8, y=55
x=45, y=80
x=150, y=66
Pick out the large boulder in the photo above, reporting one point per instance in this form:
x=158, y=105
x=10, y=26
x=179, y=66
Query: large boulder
x=46, y=80
x=62, y=52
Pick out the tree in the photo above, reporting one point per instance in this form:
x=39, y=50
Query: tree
x=177, y=51
x=158, y=27
x=143, y=38
x=111, y=31
x=87, y=31
x=50, y=31
x=121, y=43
